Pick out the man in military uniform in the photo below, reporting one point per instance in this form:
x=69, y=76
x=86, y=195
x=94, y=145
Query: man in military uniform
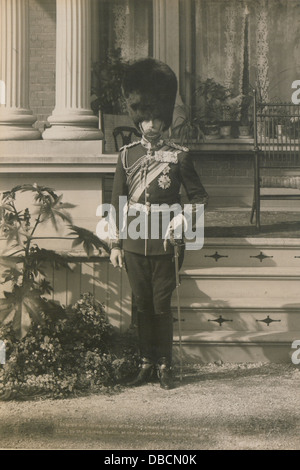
x=150, y=173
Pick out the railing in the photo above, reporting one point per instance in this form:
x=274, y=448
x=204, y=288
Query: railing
x=276, y=145
x=278, y=133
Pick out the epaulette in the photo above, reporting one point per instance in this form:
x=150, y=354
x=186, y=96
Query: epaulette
x=177, y=146
x=128, y=146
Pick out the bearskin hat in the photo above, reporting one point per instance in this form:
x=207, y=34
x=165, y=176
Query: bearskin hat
x=149, y=88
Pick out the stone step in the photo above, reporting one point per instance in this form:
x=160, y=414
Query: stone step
x=245, y=253
x=235, y=347
x=237, y=272
x=220, y=285
x=238, y=313
x=245, y=257
x=241, y=337
x=235, y=319
x=241, y=304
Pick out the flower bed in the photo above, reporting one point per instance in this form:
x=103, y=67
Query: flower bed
x=73, y=351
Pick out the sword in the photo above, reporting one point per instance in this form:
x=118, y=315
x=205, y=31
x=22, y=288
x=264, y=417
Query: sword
x=176, y=256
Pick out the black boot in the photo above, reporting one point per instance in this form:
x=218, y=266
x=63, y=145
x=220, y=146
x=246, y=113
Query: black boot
x=144, y=375
x=164, y=373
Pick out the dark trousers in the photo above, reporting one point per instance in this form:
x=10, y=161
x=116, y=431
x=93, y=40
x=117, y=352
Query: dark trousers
x=152, y=280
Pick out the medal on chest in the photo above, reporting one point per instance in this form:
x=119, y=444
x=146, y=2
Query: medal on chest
x=164, y=181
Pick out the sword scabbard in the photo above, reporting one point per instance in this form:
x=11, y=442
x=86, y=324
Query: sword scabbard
x=176, y=256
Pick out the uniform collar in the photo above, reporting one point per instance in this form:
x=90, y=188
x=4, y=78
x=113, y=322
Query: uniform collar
x=151, y=147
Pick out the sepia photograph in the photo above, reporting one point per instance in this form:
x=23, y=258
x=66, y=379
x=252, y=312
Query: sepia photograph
x=150, y=227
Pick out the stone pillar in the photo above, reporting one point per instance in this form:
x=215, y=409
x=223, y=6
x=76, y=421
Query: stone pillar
x=72, y=118
x=16, y=119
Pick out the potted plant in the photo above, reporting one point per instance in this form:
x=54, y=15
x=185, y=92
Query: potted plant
x=274, y=121
x=281, y=120
x=212, y=96
x=107, y=100
x=187, y=127
x=231, y=113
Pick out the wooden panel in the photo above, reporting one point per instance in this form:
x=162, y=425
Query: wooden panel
x=238, y=320
x=247, y=294
x=114, y=309
x=222, y=285
x=100, y=283
x=285, y=290
x=60, y=286
x=87, y=278
x=125, y=302
x=73, y=282
x=84, y=192
x=201, y=352
x=234, y=256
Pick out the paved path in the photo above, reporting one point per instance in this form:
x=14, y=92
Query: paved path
x=214, y=407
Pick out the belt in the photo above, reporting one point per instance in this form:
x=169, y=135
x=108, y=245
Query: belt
x=148, y=207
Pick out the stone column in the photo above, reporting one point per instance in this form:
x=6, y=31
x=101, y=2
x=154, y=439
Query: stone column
x=72, y=118
x=16, y=119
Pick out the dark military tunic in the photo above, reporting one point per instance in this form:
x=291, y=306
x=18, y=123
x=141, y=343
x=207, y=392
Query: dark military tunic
x=149, y=177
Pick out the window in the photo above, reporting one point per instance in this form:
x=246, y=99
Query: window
x=125, y=25
x=213, y=40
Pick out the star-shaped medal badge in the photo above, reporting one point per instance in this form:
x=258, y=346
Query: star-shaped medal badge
x=164, y=181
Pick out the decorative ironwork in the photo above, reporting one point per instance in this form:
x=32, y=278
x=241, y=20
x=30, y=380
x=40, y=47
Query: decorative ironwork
x=220, y=320
x=278, y=130
x=268, y=320
x=216, y=256
x=261, y=256
x=276, y=145
x=176, y=319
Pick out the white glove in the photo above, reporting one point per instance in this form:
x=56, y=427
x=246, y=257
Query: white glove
x=175, y=229
x=117, y=257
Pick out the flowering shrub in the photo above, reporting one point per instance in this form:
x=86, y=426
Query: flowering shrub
x=72, y=351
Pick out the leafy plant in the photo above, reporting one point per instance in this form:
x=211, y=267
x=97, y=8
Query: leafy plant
x=187, y=128
x=106, y=87
x=232, y=108
x=212, y=98
x=190, y=125
x=74, y=351
x=25, y=261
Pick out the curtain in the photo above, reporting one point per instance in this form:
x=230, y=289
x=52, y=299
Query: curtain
x=212, y=45
x=125, y=25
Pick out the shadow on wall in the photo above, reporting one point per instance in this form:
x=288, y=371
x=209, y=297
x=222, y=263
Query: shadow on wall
x=48, y=7
x=108, y=285
x=232, y=305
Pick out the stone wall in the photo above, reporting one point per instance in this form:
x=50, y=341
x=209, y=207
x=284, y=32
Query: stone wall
x=42, y=45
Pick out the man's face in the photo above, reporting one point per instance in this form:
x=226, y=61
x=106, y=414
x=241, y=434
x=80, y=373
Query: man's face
x=152, y=129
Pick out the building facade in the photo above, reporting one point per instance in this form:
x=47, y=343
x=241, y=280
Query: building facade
x=50, y=134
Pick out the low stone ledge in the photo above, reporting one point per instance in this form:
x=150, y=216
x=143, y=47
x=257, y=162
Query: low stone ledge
x=55, y=156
